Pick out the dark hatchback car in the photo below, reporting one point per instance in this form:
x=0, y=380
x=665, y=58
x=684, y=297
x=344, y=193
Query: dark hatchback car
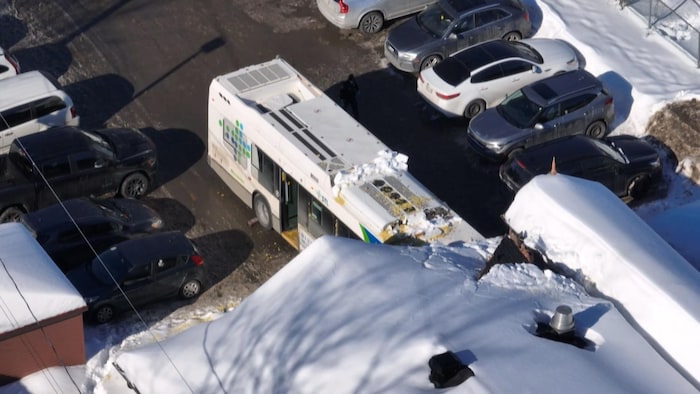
x=103, y=223
x=147, y=269
x=451, y=25
x=575, y=102
x=626, y=165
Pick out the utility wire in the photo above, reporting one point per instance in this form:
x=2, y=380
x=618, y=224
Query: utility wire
x=41, y=328
x=99, y=258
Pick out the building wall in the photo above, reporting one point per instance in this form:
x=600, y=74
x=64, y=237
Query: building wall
x=59, y=343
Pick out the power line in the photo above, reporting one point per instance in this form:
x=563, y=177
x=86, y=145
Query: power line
x=99, y=258
x=41, y=328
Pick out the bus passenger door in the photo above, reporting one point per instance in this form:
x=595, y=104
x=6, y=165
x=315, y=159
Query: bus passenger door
x=288, y=209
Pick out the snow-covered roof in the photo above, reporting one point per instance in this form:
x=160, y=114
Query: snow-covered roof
x=680, y=227
x=348, y=317
x=32, y=287
x=583, y=225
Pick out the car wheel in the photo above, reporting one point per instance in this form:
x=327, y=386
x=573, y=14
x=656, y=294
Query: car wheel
x=134, y=186
x=372, y=22
x=474, y=108
x=11, y=214
x=190, y=289
x=262, y=211
x=430, y=61
x=638, y=186
x=596, y=129
x=104, y=314
x=513, y=36
x=514, y=152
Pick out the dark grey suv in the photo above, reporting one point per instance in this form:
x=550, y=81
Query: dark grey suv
x=451, y=25
x=571, y=103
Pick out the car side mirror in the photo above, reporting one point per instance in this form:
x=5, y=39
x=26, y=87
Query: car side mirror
x=452, y=36
x=99, y=163
x=536, y=69
x=538, y=126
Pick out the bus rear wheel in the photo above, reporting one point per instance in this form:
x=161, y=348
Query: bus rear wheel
x=262, y=211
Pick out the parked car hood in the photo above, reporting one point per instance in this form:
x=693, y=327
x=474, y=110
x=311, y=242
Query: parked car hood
x=143, y=219
x=636, y=150
x=128, y=143
x=489, y=126
x=409, y=36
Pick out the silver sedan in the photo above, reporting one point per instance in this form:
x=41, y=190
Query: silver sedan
x=368, y=15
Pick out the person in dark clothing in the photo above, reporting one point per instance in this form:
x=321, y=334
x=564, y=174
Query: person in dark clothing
x=348, y=95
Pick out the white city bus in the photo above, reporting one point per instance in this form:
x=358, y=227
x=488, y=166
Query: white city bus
x=307, y=168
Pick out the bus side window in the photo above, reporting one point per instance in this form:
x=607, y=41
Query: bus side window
x=316, y=212
x=267, y=171
x=342, y=230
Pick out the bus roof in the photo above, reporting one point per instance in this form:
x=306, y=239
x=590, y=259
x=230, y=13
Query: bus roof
x=304, y=115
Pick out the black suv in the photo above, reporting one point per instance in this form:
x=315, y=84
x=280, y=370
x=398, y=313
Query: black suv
x=626, y=165
x=103, y=223
x=71, y=162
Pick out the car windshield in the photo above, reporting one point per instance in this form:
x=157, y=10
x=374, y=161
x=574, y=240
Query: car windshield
x=435, y=20
x=112, y=263
x=526, y=52
x=100, y=145
x=610, y=150
x=111, y=209
x=518, y=110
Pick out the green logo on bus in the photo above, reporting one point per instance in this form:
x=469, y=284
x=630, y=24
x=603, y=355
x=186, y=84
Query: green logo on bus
x=235, y=138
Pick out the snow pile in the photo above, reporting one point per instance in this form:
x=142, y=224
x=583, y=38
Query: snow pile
x=387, y=162
x=431, y=224
x=348, y=317
x=582, y=225
x=679, y=227
x=642, y=72
x=414, y=211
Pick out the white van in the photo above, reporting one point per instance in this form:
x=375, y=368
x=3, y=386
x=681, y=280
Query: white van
x=32, y=102
x=9, y=67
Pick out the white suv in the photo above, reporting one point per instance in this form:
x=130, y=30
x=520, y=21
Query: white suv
x=31, y=102
x=8, y=65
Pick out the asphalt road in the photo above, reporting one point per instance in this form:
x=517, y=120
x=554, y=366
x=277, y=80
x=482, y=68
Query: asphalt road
x=148, y=64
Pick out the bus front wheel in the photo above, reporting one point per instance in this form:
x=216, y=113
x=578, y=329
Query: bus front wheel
x=262, y=211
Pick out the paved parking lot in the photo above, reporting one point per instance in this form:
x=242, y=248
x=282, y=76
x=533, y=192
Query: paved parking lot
x=148, y=65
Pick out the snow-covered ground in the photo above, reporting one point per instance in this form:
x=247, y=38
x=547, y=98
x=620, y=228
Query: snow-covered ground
x=643, y=72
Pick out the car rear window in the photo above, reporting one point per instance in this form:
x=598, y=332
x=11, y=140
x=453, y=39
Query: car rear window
x=455, y=69
x=452, y=71
x=544, y=91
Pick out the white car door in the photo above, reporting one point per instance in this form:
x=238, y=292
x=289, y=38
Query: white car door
x=16, y=122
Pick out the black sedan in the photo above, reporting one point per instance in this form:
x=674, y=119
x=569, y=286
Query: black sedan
x=624, y=164
x=139, y=271
x=74, y=232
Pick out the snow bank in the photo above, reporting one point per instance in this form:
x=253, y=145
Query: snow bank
x=348, y=317
x=583, y=225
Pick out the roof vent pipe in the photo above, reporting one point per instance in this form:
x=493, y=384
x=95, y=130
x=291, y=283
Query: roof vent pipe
x=562, y=321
